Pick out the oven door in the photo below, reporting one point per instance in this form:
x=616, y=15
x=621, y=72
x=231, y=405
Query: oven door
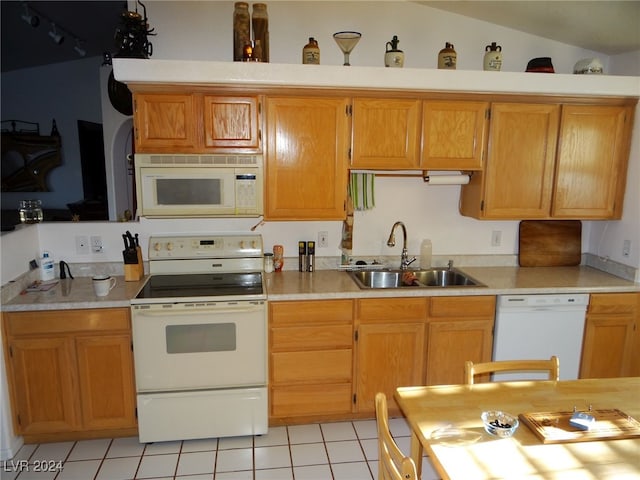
x=190, y=346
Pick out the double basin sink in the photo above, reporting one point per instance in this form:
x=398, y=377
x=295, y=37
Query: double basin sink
x=429, y=278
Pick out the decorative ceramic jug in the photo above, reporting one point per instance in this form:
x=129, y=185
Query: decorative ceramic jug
x=447, y=58
x=393, y=57
x=493, y=57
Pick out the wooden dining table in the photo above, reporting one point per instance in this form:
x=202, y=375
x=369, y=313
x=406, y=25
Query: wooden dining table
x=445, y=422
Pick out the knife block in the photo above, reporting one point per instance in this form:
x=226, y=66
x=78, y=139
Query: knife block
x=134, y=271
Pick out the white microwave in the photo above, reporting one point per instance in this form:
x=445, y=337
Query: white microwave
x=199, y=185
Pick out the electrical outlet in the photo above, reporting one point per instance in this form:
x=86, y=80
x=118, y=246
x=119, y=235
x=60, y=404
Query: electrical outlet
x=496, y=238
x=82, y=245
x=626, y=248
x=323, y=239
x=96, y=243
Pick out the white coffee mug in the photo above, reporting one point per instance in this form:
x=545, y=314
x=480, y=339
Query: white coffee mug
x=103, y=284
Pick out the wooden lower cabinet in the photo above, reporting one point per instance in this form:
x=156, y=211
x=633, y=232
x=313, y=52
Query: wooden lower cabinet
x=310, y=360
x=458, y=329
x=390, y=348
x=70, y=373
x=610, y=338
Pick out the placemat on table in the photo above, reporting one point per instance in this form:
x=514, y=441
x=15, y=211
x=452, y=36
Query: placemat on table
x=554, y=427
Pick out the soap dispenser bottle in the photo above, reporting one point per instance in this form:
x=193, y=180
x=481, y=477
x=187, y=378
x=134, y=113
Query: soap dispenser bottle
x=47, y=270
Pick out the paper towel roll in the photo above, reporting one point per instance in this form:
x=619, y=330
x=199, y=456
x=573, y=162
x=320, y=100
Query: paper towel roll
x=462, y=179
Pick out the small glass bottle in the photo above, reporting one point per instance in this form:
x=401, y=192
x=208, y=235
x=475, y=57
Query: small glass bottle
x=260, y=24
x=447, y=58
x=241, y=29
x=311, y=53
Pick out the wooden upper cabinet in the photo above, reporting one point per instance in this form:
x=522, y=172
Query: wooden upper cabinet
x=517, y=182
x=197, y=123
x=386, y=133
x=453, y=135
x=232, y=122
x=592, y=162
x=165, y=123
x=306, y=160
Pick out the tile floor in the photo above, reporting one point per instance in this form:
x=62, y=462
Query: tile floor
x=327, y=451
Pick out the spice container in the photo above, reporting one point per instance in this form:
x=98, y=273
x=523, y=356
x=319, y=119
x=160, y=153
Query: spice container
x=268, y=262
x=241, y=29
x=260, y=24
x=311, y=53
x=278, y=258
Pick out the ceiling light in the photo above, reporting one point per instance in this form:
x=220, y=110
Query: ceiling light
x=57, y=38
x=78, y=48
x=32, y=20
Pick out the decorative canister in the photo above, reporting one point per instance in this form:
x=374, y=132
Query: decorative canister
x=447, y=58
x=278, y=257
x=260, y=24
x=492, y=57
x=393, y=57
x=311, y=53
x=241, y=30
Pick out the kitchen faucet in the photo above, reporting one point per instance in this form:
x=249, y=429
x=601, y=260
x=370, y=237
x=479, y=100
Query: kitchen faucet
x=404, y=257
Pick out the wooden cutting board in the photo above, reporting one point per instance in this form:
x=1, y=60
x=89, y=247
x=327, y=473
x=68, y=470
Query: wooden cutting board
x=550, y=243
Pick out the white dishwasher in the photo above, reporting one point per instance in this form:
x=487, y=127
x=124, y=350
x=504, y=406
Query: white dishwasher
x=537, y=327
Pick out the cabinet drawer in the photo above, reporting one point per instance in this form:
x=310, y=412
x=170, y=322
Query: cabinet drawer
x=304, y=338
x=480, y=306
x=613, y=303
x=308, y=312
x=311, y=400
x=394, y=309
x=310, y=367
x=67, y=321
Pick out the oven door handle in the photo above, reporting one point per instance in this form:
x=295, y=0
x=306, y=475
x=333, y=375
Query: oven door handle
x=170, y=312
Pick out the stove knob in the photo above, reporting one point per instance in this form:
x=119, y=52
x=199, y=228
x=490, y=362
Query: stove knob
x=253, y=244
x=157, y=246
x=169, y=245
x=242, y=244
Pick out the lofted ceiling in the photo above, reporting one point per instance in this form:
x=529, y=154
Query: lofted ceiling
x=609, y=27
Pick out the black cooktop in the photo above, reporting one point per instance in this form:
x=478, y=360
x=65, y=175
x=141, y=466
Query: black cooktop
x=202, y=285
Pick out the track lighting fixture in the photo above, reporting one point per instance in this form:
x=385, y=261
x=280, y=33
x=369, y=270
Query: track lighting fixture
x=32, y=20
x=78, y=48
x=57, y=38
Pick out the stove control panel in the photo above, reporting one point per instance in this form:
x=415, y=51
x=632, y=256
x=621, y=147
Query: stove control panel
x=200, y=246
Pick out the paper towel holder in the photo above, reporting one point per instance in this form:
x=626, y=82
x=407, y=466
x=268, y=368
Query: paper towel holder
x=462, y=175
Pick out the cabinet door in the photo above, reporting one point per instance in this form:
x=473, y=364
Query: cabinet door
x=105, y=372
x=386, y=133
x=231, y=123
x=458, y=329
x=592, y=162
x=389, y=356
x=609, y=336
x=453, y=135
x=44, y=385
x=451, y=343
x=306, y=169
x=165, y=123
x=521, y=159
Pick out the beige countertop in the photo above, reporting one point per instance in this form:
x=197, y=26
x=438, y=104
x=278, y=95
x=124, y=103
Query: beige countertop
x=78, y=293
x=327, y=284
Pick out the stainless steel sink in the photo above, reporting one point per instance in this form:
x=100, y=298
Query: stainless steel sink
x=430, y=278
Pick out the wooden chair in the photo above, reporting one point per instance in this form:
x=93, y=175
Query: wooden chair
x=552, y=366
x=392, y=463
